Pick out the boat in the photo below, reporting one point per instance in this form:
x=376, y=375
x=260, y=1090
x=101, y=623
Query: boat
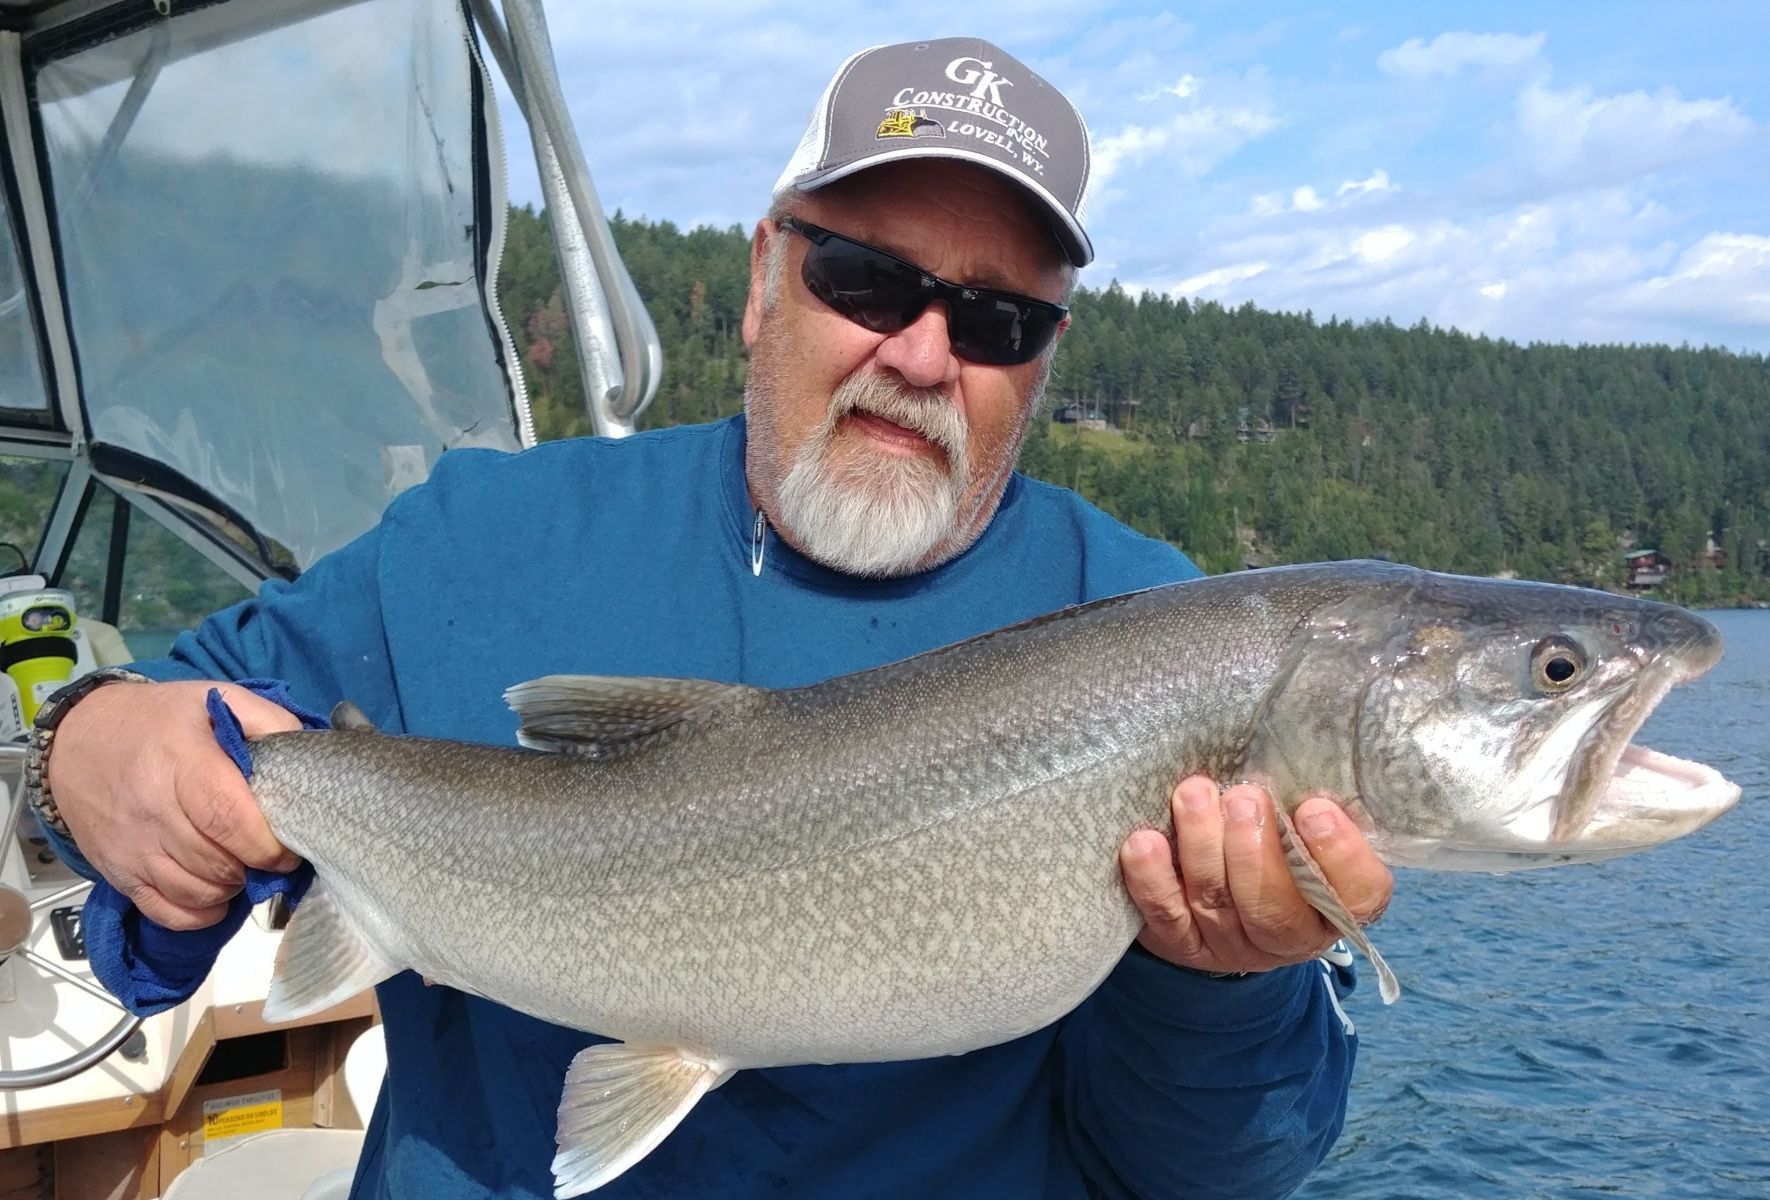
x=248, y=294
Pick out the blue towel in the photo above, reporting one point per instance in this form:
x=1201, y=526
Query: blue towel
x=150, y=968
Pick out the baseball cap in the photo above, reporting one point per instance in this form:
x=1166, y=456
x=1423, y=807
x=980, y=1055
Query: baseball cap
x=957, y=98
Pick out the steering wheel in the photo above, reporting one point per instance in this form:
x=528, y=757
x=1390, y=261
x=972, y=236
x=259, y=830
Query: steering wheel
x=18, y=930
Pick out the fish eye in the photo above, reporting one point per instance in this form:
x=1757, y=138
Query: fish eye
x=1557, y=664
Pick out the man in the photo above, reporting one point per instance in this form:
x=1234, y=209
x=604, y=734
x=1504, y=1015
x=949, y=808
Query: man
x=864, y=511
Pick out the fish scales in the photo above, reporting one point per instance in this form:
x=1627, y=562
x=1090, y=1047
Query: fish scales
x=825, y=860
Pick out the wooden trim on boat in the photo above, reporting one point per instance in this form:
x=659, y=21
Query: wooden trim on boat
x=79, y=1120
x=217, y=1024
x=240, y=1020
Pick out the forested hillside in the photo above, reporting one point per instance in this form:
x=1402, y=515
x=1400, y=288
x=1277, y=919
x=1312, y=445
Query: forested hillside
x=1252, y=437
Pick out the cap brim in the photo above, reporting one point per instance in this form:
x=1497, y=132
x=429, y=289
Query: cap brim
x=1064, y=226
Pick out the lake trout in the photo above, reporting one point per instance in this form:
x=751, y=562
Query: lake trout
x=922, y=859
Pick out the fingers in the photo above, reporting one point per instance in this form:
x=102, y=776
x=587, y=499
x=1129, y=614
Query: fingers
x=171, y=896
x=182, y=843
x=1275, y=918
x=257, y=715
x=1221, y=898
x=162, y=912
x=1147, y=860
x=156, y=804
x=179, y=900
x=216, y=798
x=1339, y=849
x=1198, y=835
x=219, y=805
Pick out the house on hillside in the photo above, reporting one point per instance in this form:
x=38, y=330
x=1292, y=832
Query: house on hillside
x=1082, y=416
x=1647, y=569
x=1713, y=554
x=1249, y=428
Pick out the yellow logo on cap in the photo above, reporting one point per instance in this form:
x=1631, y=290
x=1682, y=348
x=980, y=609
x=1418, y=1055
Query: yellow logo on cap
x=897, y=123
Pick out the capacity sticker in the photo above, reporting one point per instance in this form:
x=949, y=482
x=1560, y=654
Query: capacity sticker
x=232, y=1116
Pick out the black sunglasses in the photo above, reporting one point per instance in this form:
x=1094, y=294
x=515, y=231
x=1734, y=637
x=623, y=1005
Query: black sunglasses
x=882, y=292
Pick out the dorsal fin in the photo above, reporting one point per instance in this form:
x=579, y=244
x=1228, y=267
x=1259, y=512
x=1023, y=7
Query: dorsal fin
x=346, y=715
x=604, y=715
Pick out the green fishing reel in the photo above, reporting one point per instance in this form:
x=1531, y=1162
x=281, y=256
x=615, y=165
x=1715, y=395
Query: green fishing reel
x=37, y=649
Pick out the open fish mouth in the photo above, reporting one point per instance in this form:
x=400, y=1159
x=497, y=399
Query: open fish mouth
x=1621, y=795
x=1661, y=795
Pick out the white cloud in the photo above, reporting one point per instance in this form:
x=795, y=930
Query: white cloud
x=1528, y=272
x=1723, y=278
x=1185, y=88
x=1217, y=279
x=1450, y=53
x=1306, y=199
x=1381, y=245
x=1376, y=181
x=1549, y=210
x=1197, y=139
x=1577, y=136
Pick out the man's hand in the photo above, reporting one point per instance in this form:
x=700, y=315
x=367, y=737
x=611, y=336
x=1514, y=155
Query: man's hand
x=154, y=802
x=1221, y=899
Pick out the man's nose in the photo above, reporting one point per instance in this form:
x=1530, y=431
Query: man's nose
x=922, y=351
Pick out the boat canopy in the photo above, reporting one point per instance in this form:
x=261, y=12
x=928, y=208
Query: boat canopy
x=248, y=291
x=248, y=262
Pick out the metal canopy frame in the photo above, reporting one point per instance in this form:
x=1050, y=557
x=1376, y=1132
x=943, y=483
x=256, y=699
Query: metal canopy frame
x=619, y=353
x=17, y=16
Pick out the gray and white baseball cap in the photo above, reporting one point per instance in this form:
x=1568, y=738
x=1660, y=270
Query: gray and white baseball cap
x=958, y=98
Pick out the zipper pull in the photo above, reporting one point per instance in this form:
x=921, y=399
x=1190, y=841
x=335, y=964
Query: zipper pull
x=758, y=542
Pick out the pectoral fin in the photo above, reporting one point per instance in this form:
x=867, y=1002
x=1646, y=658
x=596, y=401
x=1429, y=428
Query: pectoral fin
x=1319, y=892
x=620, y=1101
x=322, y=960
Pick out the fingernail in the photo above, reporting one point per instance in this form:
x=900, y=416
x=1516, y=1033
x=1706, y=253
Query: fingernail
x=1196, y=799
x=1241, y=807
x=1144, y=843
x=1320, y=824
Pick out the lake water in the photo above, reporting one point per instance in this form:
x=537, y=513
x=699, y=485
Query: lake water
x=1593, y=1031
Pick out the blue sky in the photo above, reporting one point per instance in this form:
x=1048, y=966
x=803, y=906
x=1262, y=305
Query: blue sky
x=1566, y=172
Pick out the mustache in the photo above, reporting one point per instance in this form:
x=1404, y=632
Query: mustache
x=926, y=411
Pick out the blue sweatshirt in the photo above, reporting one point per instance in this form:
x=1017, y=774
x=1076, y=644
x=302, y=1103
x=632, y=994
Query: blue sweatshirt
x=634, y=557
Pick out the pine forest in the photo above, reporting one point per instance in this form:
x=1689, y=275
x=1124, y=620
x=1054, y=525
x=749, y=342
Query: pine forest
x=1252, y=438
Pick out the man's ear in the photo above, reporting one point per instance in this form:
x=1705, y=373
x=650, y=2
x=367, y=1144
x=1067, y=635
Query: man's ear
x=1062, y=328
x=757, y=298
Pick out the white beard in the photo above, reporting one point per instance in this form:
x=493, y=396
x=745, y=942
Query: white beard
x=863, y=512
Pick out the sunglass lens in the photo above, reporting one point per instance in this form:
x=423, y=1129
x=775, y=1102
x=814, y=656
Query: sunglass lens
x=868, y=288
x=884, y=294
x=1001, y=332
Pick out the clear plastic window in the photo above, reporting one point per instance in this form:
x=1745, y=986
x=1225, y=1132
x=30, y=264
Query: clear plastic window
x=270, y=254
x=21, y=372
x=165, y=585
x=28, y=487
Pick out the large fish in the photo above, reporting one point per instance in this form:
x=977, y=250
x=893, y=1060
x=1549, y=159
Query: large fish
x=922, y=859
